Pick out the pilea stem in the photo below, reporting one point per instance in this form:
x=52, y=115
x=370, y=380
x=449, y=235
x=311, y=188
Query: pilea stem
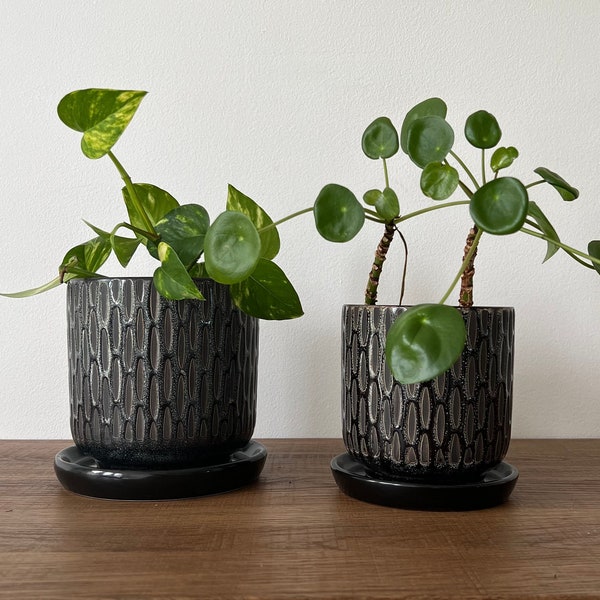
x=464, y=265
x=465, y=168
x=422, y=211
x=405, y=265
x=293, y=215
x=380, y=255
x=465, y=298
x=132, y=193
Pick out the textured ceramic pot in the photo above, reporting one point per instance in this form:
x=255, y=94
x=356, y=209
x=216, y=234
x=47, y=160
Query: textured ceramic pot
x=451, y=428
x=159, y=383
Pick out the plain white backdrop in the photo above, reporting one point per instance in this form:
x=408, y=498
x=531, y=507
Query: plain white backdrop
x=272, y=97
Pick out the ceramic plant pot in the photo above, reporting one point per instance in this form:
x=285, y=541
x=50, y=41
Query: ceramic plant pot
x=156, y=383
x=453, y=427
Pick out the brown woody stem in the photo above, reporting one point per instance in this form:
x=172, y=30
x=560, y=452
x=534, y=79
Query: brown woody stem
x=466, y=281
x=380, y=254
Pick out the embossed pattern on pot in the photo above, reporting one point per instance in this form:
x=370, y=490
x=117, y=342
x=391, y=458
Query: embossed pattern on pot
x=157, y=382
x=453, y=427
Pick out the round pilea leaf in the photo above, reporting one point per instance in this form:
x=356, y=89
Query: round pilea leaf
x=380, y=139
x=594, y=250
x=503, y=158
x=372, y=196
x=231, y=247
x=439, y=181
x=430, y=107
x=567, y=192
x=424, y=341
x=500, y=206
x=482, y=130
x=429, y=139
x=339, y=216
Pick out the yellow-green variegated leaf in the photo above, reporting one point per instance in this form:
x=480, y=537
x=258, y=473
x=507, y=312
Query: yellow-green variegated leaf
x=100, y=114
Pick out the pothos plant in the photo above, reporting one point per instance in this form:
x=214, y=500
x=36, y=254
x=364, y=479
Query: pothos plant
x=236, y=249
x=426, y=339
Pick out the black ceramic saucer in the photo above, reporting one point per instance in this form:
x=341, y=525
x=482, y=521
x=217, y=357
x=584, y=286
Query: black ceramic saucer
x=81, y=474
x=493, y=487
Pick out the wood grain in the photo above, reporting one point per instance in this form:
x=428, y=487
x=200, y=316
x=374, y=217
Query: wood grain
x=294, y=535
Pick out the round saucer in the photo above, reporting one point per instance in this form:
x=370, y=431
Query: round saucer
x=493, y=487
x=81, y=474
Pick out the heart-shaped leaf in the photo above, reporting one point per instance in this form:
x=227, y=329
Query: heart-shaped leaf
x=338, y=214
x=231, y=248
x=535, y=212
x=267, y=293
x=156, y=202
x=87, y=258
x=594, y=251
x=380, y=139
x=184, y=229
x=269, y=240
x=171, y=279
x=429, y=139
x=567, y=192
x=431, y=107
x=439, y=181
x=500, y=206
x=424, y=341
x=387, y=205
x=124, y=248
x=503, y=158
x=100, y=114
x=482, y=130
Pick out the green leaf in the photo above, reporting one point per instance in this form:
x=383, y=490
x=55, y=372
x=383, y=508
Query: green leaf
x=269, y=240
x=32, y=292
x=198, y=271
x=424, y=341
x=566, y=191
x=184, y=229
x=171, y=279
x=267, y=293
x=535, y=212
x=503, y=158
x=439, y=181
x=338, y=214
x=372, y=196
x=387, y=205
x=124, y=248
x=231, y=248
x=594, y=251
x=431, y=107
x=482, y=130
x=100, y=114
x=380, y=139
x=156, y=202
x=429, y=139
x=500, y=206
x=87, y=257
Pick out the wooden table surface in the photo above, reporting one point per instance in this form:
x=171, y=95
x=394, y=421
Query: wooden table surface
x=293, y=534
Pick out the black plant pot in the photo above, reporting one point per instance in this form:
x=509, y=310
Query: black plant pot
x=437, y=444
x=161, y=387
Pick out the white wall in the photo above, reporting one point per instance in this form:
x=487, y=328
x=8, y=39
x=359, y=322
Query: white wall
x=273, y=96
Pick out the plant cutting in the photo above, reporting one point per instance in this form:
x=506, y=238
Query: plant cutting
x=162, y=370
x=427, y=389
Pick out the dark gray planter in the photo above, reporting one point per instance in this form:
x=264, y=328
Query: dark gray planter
x=157, y=383
x=450, y=429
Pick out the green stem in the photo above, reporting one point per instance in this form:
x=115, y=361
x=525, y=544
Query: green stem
x=535, y=183
x=133, y=195
x=464, y=265
x=567, y=249
x=385, y=172
x=465, y=168
x=146, y=234
x=292, y=216
x=483, y=166
x=403, y=285
x=429, y=209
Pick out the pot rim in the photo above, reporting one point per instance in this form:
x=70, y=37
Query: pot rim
x=406, y=306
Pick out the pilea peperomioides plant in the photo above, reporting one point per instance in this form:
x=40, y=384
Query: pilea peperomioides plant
x=427, y=339
x=237, y=249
